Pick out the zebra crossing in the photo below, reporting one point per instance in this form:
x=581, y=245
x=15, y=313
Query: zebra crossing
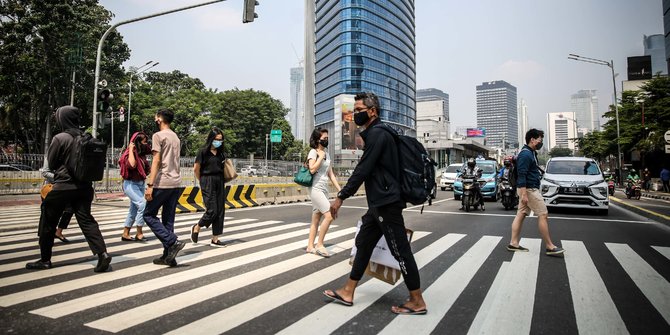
x=264, y=282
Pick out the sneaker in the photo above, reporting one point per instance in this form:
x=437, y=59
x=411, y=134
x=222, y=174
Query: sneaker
x=556, y=251
x=173, y=250
x=161, y=261
x=39, y=265
x=519, y=248
x=218, y=243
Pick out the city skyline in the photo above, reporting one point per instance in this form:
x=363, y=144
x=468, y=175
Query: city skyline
x=458, y=46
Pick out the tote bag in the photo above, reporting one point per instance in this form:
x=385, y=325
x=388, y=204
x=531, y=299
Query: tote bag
x=229, y=172
x=303, y=177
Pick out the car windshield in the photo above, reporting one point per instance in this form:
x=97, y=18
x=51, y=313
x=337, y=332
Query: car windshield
x=487, y=168
x=452, y=168
x=573, y=167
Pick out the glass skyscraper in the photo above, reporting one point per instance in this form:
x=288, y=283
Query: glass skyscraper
x=366, y=46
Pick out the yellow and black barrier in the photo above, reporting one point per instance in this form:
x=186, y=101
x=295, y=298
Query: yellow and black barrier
x=237, y=196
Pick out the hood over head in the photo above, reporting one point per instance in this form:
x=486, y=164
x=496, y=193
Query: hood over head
x=68, y=117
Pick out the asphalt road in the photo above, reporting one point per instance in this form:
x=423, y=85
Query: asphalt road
x=614, y=278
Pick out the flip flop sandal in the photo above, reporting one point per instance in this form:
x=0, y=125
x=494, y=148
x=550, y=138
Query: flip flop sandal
x=322, y=252
x=409, y=311
x=125, y=239
x=337, y=298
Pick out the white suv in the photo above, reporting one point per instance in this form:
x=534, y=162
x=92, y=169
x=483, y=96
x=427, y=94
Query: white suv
x=449, y=176
x=574, y=182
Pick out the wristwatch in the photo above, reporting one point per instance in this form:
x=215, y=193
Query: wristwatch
x=150, y=185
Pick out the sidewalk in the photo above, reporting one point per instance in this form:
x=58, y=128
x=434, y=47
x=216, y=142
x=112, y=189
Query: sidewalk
x=34, y=199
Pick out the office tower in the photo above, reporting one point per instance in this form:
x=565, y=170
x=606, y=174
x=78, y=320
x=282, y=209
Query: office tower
x=666, y=29
x=437, y=96
x=523, y=122
x=497, y=113
x=296, y=117
x=562, y=130
x=654, y=46
x=364, y=46
x=432, y=115
x=309, y=67
x=584, y=104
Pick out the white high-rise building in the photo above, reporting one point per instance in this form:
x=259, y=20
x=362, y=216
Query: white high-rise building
x=523, y=122
x=296, y=117
x=562, y=130
x=584, y=105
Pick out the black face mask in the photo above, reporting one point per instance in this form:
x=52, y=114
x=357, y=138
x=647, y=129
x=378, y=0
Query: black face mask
x=324, y=143
x=538, y=146
x=145, y=149
x=361, y=118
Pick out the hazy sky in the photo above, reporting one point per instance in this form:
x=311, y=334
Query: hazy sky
x=459, y=45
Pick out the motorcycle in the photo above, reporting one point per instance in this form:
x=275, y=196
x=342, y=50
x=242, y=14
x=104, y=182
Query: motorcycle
x=610, y=187
x=509, y=197
x=633, y=190
x=472, y=195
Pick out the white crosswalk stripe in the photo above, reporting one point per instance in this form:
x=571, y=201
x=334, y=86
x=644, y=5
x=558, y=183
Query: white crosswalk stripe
x=262, y=249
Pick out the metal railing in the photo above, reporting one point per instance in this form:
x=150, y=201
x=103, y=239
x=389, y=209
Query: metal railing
x=20, y=173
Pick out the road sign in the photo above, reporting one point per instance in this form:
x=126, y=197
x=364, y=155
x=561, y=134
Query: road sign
x=667, y=137
x=667, y=148
x=275, y=135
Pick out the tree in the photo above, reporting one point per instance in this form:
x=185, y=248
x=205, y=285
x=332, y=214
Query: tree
x=560, y=152
x=41, y=43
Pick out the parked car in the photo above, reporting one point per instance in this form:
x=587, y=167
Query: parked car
x=489, y=171
x=263, y=171
x=7, y=167
x=449, y=176
x=249, y=170
x=574, y=182
x=21, y=167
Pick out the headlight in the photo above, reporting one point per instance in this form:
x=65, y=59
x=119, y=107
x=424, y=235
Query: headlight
x=598, y=192
x=550, y=181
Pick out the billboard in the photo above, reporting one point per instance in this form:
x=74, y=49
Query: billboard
x=350, y=138
x=639, y=68
x=476, y=132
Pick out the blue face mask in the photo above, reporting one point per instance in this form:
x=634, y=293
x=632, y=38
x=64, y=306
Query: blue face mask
x=216, y=143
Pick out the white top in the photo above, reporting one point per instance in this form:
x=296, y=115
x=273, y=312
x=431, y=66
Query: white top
x=320, y=179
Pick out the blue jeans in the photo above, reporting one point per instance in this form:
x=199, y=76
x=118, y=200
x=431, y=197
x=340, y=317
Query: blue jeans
x=166, y=198
x=135, y=191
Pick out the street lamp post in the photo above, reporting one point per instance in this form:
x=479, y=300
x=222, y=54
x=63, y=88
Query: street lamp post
x=610, y=64
x=130, y=93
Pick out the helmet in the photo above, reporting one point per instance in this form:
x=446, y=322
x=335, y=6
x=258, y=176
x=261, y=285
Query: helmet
x=507, y=161
x=471, y=163
x=632, y=170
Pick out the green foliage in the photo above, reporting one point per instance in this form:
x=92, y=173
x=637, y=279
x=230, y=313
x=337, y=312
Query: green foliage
x=41, y=43
x=560, y=152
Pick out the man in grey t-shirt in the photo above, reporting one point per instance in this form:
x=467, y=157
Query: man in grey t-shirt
x=163, y=188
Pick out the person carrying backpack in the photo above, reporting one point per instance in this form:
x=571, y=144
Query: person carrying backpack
x=379, y=168
x=68, y=190
x=530, y=198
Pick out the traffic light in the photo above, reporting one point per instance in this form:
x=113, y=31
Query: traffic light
x=249, y=13
x=104, y=99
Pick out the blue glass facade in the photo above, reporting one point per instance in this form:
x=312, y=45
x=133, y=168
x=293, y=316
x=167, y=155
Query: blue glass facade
x=366, y=46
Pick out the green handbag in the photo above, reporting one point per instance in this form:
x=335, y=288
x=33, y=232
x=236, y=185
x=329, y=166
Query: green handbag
x=303, y=177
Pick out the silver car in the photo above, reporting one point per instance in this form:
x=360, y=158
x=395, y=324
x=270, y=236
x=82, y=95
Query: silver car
x=449, y=175
x=574, y=182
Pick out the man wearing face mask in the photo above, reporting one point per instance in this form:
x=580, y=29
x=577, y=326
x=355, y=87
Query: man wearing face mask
x=379, y=168
x=163, y=187
x=530, y=198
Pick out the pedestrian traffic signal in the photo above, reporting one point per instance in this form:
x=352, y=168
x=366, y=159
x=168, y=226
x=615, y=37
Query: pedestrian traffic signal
x=249, y=13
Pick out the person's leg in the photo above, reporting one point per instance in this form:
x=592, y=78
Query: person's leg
x=140, y=204
x=366, y=240
x=313, y=227
x=521, y=213
x=81, y=204
x=132, y=209
x=323, y=229
x=209, y=200
x=536, y=203
x=159, y=199
x=543, y=227
x=54, y=204
x=217, y=224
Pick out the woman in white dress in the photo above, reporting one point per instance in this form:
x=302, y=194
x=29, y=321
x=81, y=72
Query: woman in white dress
x=319, y=161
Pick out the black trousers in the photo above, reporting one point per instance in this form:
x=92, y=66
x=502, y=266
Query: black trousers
x=214, y=196
x=80, y=201
x=64, y=221
x=385, y=221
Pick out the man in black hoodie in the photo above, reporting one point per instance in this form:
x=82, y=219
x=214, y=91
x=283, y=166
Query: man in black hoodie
x=68, y=191
x=379, y=168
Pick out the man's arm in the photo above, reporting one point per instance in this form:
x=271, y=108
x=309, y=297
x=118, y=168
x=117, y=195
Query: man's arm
x=155, y=164
x=368, y=163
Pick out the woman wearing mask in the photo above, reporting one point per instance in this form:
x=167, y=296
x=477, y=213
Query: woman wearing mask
x=134, y=168
x=319, y=165
x=209, y=171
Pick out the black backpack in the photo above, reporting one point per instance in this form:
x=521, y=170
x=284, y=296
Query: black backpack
x=86, y=161
x=417, y=169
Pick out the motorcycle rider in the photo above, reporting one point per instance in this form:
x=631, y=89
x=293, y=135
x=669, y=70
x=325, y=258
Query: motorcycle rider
x=472, y=170
x=504, y=172
x=632, y=179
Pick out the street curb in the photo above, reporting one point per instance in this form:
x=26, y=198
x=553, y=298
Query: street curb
x=656, y=196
